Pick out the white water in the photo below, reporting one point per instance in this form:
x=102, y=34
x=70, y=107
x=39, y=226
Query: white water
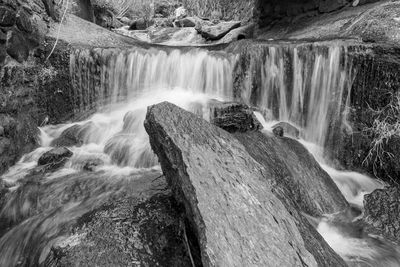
x=122, y=84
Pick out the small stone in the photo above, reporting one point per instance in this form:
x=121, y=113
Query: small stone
x=7, y=16
x=288, y=129
x=278, y=131
x=92, y=164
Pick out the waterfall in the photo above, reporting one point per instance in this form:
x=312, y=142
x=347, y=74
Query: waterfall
x=305, y=84
x=108, y=76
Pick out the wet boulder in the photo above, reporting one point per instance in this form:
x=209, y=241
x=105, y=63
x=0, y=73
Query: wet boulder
x=288, y=129
x=74, y=135
x=216, y=32
x=382, y=211
x=233, y=117
x=229, y=206
x=55, y=158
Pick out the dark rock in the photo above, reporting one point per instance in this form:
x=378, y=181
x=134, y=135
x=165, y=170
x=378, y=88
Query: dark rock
x=278, y=131
x=18, y=47
x=139, y=24
x=295, y=170
x=5, y=145
x=7, y=16
x=234, y=215
x=233, y=117
x=3, y=54
x=55, y=157
x=381, y=211
x=216, y=32
x=92, y=164
x=74, y=135
x=288, y=129
x=23, y=22
x=19, y=137
x=3, y=37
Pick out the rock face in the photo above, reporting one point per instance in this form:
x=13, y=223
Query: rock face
x=18, y=135
x=216, y=32
x=233, y=117
x=295, y=170
x=235, y=217
x=272, y=10
x=382, y=211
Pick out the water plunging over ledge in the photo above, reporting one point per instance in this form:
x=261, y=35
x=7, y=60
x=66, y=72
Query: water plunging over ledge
x=305, y=84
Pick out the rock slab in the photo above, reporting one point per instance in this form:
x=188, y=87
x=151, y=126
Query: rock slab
x=236, y=218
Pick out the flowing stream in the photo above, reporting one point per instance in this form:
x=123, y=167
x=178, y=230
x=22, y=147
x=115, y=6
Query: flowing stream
x=305, y=84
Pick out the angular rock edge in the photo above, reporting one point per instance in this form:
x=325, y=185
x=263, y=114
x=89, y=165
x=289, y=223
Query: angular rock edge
x=236, y=218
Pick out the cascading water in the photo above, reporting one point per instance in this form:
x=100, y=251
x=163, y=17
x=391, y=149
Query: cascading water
x=305, y=84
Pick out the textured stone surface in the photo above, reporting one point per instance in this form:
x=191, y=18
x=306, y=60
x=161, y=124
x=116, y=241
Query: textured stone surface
x=233, y=117
x=55, y=157
x=7, y=16
x=236, y=218
x=295, y=170
x=382, y=209
x=288, y=129
x=216, y=32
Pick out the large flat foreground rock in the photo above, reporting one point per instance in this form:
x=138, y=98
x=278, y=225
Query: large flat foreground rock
x=236, y=218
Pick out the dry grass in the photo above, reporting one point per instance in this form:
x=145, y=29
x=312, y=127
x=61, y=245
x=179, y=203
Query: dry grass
x=385, y=127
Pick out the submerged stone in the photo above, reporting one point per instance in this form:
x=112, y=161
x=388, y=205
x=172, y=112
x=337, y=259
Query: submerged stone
x=236, y=218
